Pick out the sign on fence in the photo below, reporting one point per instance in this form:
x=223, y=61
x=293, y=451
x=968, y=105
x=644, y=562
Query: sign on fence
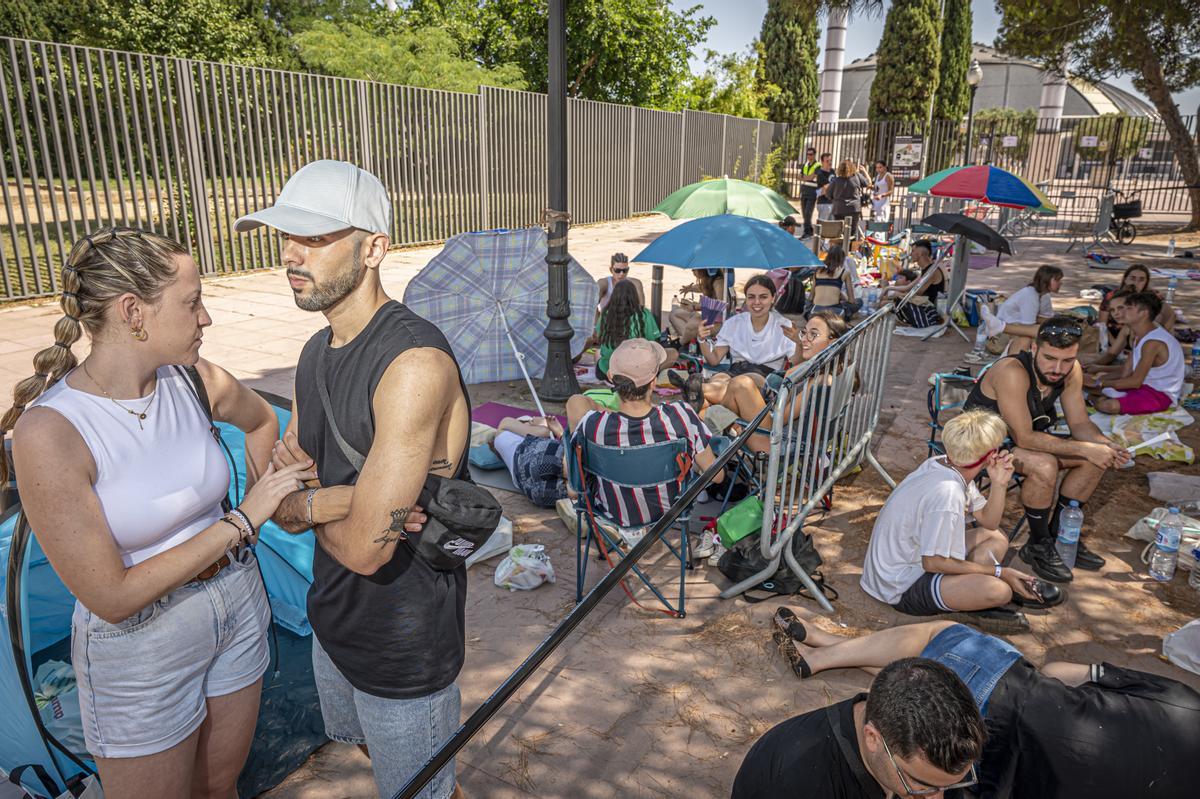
x=906, y=159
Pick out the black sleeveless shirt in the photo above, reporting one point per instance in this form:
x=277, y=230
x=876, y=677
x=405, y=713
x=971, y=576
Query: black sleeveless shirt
x=1041, y=409
x=398, y=633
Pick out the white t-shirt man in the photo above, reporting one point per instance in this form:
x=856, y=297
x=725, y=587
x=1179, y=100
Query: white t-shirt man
x=769, y=346
x=1025, y=306
x=925, y=515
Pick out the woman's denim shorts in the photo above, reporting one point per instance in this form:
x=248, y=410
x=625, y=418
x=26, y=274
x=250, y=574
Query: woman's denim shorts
x=979, y=659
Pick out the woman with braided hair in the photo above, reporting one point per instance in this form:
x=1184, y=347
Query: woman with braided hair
x=122, y=482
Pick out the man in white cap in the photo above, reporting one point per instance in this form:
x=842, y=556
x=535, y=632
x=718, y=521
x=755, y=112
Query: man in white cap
x=379, y=404
x=633, y=369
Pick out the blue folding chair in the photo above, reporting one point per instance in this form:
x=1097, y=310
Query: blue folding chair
x=635, y=467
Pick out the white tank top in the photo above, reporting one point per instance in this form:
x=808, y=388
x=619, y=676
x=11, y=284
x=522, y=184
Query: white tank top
x=158, y=486
x=1167, y=378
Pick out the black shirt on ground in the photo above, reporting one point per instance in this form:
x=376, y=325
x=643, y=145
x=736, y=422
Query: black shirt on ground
x=398, y=633
x=813, y=756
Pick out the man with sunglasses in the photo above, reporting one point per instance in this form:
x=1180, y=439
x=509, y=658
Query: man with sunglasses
x=917, y=733
x=618, y=268
x=1023, y=389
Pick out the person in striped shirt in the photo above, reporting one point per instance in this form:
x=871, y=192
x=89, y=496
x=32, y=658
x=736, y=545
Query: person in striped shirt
x=633, y=369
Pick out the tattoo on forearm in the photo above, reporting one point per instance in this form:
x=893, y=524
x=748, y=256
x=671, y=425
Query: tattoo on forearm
x=395, y=531
x=441, y=464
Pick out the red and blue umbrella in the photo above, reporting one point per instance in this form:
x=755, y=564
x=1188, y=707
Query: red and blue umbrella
x=987, y=184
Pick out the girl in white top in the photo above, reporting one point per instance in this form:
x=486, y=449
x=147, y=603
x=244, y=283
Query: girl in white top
x=1020, y=314
x=759, y=340
x=122, y=483
x=881, y=196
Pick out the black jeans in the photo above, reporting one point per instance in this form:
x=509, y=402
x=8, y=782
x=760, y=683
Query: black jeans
x=808, y=205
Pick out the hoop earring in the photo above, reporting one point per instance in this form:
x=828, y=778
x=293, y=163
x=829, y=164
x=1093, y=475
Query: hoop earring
x=138, y=334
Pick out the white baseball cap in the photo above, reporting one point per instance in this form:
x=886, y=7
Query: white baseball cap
x=325, y=197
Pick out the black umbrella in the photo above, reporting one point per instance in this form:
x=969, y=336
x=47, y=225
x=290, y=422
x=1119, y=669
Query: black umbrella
x=968, y=228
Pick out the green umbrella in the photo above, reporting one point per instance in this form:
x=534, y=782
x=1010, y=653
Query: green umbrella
x=725, y=196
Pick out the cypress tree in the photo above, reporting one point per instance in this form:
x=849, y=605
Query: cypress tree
x=953, y=94
x=907, y=63
x=789, y=60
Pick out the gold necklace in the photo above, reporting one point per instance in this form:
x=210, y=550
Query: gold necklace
x=141, y=415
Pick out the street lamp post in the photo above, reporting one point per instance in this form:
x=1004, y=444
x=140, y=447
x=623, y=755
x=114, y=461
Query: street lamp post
x=558, y=381
x=974, y=76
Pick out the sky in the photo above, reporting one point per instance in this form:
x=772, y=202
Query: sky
x=739, y=22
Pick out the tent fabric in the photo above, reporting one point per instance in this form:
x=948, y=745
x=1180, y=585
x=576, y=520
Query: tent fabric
x=289, y=725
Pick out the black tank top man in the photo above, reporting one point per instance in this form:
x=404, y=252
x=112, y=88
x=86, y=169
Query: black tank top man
x=1041, y=409
x=398, y=633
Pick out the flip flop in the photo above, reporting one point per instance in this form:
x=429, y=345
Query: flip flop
x=786, y=621
x=787, y=647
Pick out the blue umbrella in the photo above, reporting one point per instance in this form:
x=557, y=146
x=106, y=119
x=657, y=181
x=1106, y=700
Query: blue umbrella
x=728, y=241
x=487, y=292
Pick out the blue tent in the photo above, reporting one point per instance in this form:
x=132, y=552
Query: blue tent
x=36, y=608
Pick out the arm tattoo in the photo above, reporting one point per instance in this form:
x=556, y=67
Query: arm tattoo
x=440, y=465
x=395, y=531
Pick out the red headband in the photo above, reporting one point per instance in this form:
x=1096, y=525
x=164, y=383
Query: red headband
x=986, y=455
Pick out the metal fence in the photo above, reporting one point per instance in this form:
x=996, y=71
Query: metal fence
x=96, y=137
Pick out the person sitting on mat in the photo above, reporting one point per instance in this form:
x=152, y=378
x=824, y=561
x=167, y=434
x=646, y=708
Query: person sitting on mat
x=1137, y=278
x=533, y=453
x=1023, y=389
x=618, y=266
x=633, y=369
x=624, y=318
x=922, y=560
x=1112, y=359
x=1152, y=378
x=921, y=311
x=1064, y=731
x=759, y=341
x=917, y=733
x=1019, y=314
x=833, y=285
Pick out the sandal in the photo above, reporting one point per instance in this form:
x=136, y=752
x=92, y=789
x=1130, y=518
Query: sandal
x=787, y=647
x=786, y=621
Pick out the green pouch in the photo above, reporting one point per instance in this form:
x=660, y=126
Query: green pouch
x=743, y=519
x=604, y=397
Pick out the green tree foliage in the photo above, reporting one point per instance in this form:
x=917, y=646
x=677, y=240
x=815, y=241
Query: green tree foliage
x=732, y=84
x=620, y=51
x=953, y=94
x=1118, y=136
x=1154, y=41
x=908, y=62
x=424, y=57
x=789, y=60
x=999, y=123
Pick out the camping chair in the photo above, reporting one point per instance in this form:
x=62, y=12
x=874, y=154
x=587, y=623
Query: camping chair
x=829, y=231
x=637, y=467
x=1101, y=230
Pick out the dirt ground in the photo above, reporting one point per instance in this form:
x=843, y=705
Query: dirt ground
x=635, y=704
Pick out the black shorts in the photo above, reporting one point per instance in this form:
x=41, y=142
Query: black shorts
x=924, y=597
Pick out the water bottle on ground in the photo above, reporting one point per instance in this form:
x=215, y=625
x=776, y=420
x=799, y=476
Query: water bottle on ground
x=1070, y=523
x=1194, y=577
x=980, y=341
x=1171, y=248
x=1172, y=285
x=1166, y=546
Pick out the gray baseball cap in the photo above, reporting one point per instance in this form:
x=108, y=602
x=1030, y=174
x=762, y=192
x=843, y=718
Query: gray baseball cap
x=325, y=197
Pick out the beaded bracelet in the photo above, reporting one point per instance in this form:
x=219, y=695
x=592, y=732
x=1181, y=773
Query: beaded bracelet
x=239, y=513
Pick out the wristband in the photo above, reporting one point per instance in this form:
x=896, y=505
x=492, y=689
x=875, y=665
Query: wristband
x=240, y=533
x=308, y=502
x=241, y=514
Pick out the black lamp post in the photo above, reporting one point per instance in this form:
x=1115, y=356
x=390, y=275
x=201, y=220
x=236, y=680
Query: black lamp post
x=974, y=76
x=558, y=381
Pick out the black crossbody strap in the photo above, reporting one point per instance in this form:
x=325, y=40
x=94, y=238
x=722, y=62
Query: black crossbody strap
x=196, y=384
x=356, y=458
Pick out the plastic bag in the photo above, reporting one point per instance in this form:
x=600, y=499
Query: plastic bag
x=1182, y=647
x=498, y=544
x=526, y=567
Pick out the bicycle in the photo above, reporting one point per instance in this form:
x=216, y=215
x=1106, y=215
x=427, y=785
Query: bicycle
x=1121, y=228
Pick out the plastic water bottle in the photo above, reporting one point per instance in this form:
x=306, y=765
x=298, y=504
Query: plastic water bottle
x=1196, y=363
x=1194, y=577
x=1070, y=523
x=1171, y=248
x=1172, y=284
x=980, y=340
x=1166, y=546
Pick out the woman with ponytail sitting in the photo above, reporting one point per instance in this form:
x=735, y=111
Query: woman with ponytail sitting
x=122, y=482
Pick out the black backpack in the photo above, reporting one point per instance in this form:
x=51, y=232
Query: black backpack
x=791, y=299
x=745, y=559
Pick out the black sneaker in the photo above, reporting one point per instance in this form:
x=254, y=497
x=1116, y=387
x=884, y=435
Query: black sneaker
x=1049, y=595
x=1043, y=558
x=999, y=621
x=1087, y=559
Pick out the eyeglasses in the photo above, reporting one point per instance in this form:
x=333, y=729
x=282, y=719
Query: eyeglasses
x=811, y=335
x=617, y=271
x=971, y=779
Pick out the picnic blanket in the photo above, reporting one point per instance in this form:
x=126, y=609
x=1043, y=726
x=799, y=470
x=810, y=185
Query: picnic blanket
x=492, y=413
x=1128, y=430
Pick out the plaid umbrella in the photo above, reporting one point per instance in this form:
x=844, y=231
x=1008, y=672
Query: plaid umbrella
x=487, y=292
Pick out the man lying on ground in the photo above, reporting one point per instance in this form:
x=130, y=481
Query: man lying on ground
x=1065, y=731
x=1023, y=389
x=1152, y=378
x=533, y=453
x=922, y=560
x=633, y=369
x=918, y=730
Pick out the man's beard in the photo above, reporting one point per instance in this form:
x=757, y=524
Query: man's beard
x=1045, y=381
x=326, y=295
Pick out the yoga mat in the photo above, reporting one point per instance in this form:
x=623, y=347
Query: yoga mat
x=494, y=478
x=492, y=413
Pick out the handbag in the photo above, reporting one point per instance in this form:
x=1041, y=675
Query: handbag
x=745, y=559
x=461, y=515
x=78, y=787
x=743, y=519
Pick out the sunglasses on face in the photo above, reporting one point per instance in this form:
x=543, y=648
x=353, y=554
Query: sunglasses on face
x=971, y=779
x=617, y=271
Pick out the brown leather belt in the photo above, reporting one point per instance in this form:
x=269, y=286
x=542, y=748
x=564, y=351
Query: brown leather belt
x=213, y=570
